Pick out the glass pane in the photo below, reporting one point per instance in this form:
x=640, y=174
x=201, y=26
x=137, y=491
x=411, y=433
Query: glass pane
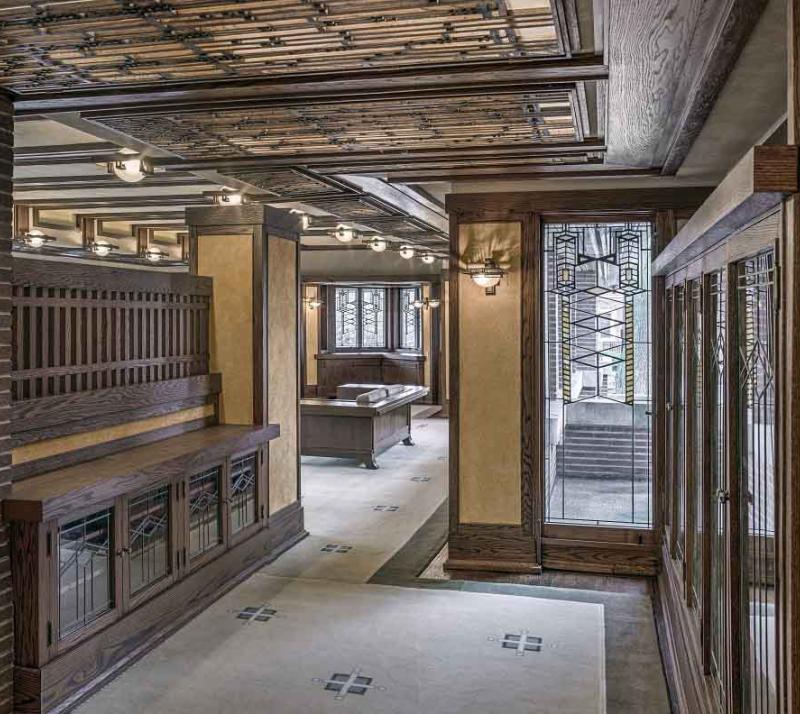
x=148, y=530
x=85, y=575
x=695, y=499
x=679, y=408
x=716, y=444
x=756, y=445
x=243, y=492
x=373, y=318
x=409, y=319
x=598, y=342
x=346, y=317
x=204, y=511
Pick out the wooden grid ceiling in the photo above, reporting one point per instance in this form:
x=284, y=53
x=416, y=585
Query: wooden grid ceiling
x=414, y=124
x=58, y=44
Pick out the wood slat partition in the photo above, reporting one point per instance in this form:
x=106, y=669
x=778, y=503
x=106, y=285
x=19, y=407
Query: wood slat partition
x=77, y=329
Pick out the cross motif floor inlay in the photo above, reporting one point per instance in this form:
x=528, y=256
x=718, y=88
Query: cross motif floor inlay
x=521, y=642
x=421, y=479
x=344, y=684
x=386, y=508
x=264, y=613
x=336, y=548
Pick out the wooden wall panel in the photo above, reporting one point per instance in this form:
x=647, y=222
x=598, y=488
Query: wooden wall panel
x=283, y=370
x=489, y=409
x=6, y=608
x=228, y=259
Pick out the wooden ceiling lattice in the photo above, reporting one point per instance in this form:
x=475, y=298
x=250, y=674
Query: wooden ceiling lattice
x=441, y=122
x=59, y=44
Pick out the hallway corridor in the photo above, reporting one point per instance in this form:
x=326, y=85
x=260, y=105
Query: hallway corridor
x=309, y=633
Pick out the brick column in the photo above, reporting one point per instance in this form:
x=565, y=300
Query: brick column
x=6, y=610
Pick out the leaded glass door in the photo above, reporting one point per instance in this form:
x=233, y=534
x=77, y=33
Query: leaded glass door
x=597, y=373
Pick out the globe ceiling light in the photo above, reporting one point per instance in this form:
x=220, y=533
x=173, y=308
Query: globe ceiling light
x=131, y=169
x=344, y=234
x=102, y=248
x=428, y=258
x=154, y=255
x=407, y=252
x=305, y=219
x=378, y=244
x=35, y=238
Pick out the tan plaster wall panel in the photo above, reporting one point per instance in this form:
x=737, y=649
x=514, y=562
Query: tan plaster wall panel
x=64, y=444
x=228, y=259
x=282, y=286
x=489, y=379
x=312, y=318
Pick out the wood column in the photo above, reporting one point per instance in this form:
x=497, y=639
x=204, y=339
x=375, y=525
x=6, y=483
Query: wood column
x=788, y=391
x=494, y=474
x=6, y=609
x=252, y=253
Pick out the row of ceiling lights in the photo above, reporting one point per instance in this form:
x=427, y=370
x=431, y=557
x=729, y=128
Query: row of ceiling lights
x=34, y=238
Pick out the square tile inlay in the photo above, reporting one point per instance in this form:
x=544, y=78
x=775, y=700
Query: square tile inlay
x=335, y=548
x=256, y=614
x=344, y=684
x=521, y=643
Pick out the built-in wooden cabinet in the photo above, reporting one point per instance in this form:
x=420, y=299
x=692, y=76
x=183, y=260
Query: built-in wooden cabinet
x=100, y=546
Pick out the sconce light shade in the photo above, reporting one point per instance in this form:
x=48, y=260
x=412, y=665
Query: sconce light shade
x=432, y=303
x=344, y=234
x=407, y=252
x=378, y=244
x=487, y=276
x=130, y=169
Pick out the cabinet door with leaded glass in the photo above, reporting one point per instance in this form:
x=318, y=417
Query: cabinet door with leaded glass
x=204, y=517
x=150, y=552
x=244, y=499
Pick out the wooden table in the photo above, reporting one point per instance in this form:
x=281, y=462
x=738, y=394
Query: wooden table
x=340, y=428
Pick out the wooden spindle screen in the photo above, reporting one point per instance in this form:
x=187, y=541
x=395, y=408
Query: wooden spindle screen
x=121, y=330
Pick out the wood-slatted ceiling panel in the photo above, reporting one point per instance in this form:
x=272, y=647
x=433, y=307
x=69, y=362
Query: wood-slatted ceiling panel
x=66, y=43
x=284, y=182
x=440, y=122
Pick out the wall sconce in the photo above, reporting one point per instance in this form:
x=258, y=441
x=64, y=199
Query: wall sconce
x=428, y=258
x=488, y=275
x=426, y=303
x=34, y=238
x=313, y=303
x=407, y=252
x=378, y=244
x=130, y=169
x=344, y=234
x=102, y=248
x=154, y=255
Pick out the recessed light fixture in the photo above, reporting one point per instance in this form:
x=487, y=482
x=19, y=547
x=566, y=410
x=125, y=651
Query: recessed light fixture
x=378, y=244
x=487, y=276
x=130, y=169
x=407, y=252
x=344, y=234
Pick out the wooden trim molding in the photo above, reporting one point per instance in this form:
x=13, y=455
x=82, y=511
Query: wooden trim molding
x=759, y=182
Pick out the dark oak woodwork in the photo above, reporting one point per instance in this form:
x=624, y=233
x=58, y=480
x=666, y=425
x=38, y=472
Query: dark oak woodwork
x=336, y=368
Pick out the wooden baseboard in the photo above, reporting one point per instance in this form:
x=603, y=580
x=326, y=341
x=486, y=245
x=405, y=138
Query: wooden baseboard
x=490, y=547
x=67, y=680
x=691, y=691
x=600, y=557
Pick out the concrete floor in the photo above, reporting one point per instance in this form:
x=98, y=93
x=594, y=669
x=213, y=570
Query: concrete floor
x=344, y=623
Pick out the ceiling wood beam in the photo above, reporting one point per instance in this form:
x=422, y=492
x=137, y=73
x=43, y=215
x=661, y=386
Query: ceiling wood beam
x=381, y=158
x=589, y=170
x=524, y=74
